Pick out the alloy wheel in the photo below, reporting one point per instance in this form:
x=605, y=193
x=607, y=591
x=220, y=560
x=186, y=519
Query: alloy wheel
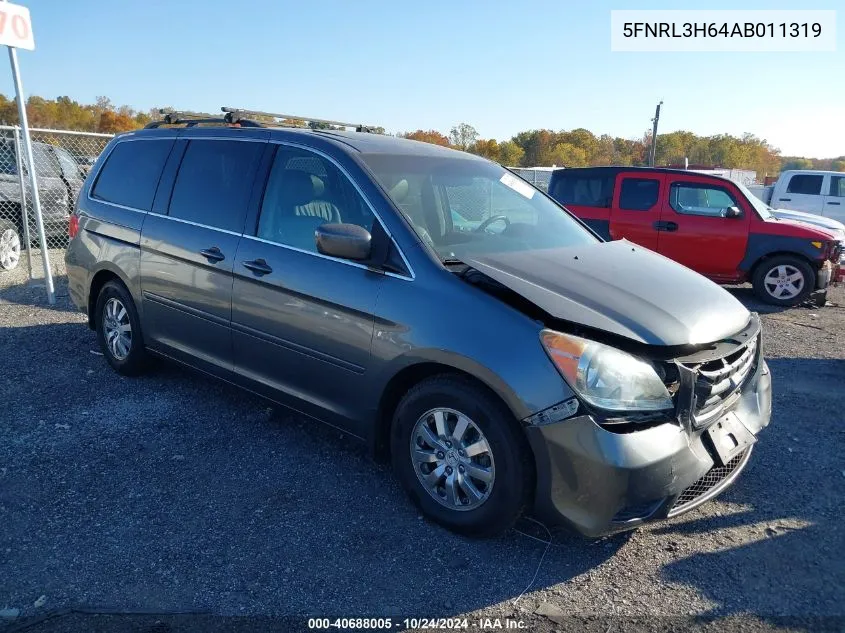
x=117, y=329
x=784, y=282
x=452, y=459
x=10, y=249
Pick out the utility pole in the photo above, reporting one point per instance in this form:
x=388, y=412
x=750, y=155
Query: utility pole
x=654, y=135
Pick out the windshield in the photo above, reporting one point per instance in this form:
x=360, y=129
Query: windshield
x=461, y=206
x=762, y=208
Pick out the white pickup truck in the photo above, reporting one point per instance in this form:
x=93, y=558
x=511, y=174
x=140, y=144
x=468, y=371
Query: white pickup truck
x=817, y=192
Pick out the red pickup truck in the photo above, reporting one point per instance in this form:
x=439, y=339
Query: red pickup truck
x=710, y=224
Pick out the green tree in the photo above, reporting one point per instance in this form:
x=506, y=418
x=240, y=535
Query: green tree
x=510, y=154
x=462, y=136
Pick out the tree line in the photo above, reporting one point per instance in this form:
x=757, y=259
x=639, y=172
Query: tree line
x=573, y=148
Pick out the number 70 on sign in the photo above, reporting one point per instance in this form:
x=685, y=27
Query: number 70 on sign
x=16, y=26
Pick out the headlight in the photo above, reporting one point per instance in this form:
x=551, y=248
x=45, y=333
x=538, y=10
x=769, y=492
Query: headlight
x=605, y=376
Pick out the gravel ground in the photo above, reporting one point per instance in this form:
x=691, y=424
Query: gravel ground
x=173, y=493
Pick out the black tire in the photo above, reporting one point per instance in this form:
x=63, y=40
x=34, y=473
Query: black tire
x=511, y=488
x=136, y=360
x=766, y=291
x=11, y=245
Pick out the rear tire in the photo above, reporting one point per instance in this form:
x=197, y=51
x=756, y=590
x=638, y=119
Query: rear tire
x=784, y=280
x=119, y=330
x=10, y=245
x=461, y=457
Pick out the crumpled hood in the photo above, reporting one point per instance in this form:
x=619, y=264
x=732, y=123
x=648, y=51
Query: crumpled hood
x=621, y=288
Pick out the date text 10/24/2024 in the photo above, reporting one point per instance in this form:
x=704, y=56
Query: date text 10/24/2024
x=425, y=624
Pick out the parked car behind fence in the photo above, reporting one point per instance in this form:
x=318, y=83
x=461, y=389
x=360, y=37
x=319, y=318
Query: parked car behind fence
x=62, y=160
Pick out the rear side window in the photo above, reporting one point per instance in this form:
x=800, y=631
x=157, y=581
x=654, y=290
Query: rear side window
x=588, y=191
x=131, y=173
x=837, y=186
x=805, y=183
x=214, y=181
x=638, y=194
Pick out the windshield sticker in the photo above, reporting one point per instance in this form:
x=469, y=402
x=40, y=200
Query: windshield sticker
x=518, y=185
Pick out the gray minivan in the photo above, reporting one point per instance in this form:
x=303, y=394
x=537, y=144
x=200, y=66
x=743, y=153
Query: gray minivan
x=514, y=363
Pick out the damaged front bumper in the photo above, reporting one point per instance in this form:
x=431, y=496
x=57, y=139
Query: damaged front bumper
x=601, y=481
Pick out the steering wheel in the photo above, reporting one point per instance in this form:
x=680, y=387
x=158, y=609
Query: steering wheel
x=490, y=221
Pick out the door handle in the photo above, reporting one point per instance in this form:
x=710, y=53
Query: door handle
x=836, y=203
x=213, y=254
x=785, y=199
x=666, y=226
x=258, y=266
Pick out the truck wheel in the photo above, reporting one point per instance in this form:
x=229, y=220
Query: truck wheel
x=461, y=456
x=784, y=280
x=10, y=245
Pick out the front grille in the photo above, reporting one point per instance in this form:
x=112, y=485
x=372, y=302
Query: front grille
x=717, y=380
x=709, y=482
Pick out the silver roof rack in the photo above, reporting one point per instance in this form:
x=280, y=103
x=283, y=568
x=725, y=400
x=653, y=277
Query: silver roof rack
x=235, y=114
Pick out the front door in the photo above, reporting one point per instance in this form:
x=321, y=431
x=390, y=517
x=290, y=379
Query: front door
x=834, y=201
x=803, y=193
x=635, y=214
x=187, y=254
x=302, y=322
x=699, y=232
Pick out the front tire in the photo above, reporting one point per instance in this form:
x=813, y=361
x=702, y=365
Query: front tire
x=784, y=280
x=460, y=456
x=10, y=246
x=119, y=330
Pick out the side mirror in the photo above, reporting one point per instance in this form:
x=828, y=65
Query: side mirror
x=732, y=212
x=346, y=241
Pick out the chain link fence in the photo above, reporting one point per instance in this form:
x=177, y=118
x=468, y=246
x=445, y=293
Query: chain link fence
x=537, y=176
x=62, y=160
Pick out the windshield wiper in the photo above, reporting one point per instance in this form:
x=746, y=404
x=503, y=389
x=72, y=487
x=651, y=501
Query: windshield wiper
x=452, y=261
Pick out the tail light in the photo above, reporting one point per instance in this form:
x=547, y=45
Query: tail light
x=73, y=225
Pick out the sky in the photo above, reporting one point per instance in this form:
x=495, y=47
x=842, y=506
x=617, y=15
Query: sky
x=502, y=67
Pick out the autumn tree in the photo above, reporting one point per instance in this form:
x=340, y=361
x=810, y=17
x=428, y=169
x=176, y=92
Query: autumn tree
x=487, y=148
x=462, y=136
x=427, y=136
x=510, y=154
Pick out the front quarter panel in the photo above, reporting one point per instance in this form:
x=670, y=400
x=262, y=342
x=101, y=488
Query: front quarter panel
x=438, y=318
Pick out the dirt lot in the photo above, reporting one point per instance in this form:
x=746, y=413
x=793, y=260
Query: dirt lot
x=173, y=493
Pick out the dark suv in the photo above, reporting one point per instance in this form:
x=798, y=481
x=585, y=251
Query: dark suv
x=515, y=361
x=59, y=179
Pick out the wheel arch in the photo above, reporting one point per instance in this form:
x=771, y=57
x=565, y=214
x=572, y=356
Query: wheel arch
x=413, y=373
x=781, y=253
x=98, y=280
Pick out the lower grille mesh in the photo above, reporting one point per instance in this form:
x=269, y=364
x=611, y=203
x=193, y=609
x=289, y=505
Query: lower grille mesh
x=711, y=479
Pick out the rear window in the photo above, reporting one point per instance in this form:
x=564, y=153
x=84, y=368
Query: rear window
x=638, y=194
x=587, y=191
x=131, y=173
x=213, y=184
x=805, y=183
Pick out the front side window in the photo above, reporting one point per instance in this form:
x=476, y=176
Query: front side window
x=69, y=166
x=696, y=199
x=305, y=190
x=837, y=186
x=806, y=184
x=460, y=206
x=131, y=173
x=214, y=181
x=638, y=194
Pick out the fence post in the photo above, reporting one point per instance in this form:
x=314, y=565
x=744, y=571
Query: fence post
x=24, y=212
x=30, y=162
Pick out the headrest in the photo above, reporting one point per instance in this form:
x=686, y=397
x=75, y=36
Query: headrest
x=399, y=191
x=318, y=186
x=296, y=187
